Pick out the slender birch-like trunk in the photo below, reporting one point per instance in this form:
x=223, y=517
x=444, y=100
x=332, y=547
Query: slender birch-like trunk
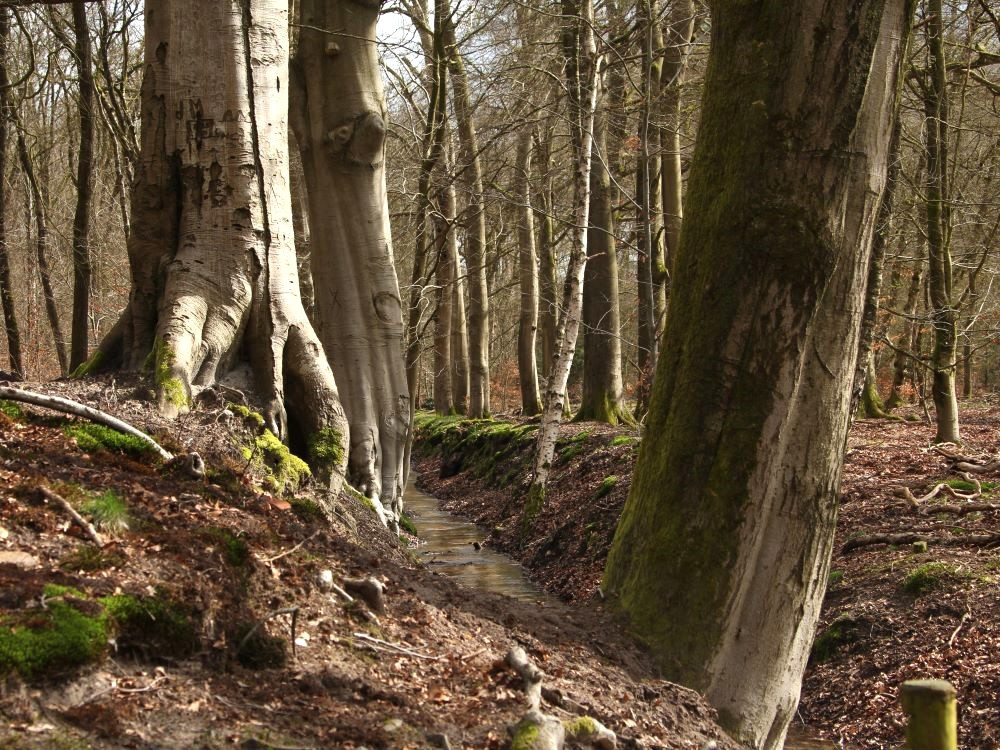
x=6, y=287
x=582, y=64
x=528, y=265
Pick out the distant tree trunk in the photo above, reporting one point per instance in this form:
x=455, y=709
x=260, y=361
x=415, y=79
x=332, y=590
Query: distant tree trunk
x=602, y=354
x=548, y=309
x=41, y=252
x=720, y=559
x=459, y=321
x=582, y=64
x=6, y=285
x=80, y=334
x=211, y=250
x=943, y=313
x=528, y=264
x=649, y=239
x=300, y=225
x=338, y=114
x=906, y=337
x=444, y=398
x=471, y=173
x=679, y=31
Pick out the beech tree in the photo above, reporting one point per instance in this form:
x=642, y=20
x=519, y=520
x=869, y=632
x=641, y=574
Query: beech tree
x=214, y=275
x=721, y=555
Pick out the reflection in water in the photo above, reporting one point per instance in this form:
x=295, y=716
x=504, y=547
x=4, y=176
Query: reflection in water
x=448, y=548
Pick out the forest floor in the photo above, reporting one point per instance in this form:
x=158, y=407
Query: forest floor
x=891, y=612
x=205, y=617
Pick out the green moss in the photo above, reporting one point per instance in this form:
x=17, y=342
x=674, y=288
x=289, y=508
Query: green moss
x=282, y=470
x=963, y=485
x=606, y=486
x=407, y=524
x=844, y=630
x=525, y=735
x=234, y=549
x=249, y=415
x=89, y=367
x=835, y=577
x=533, y=505
x=306, y=509
x=108, y=511
x=93, y=438
x=929, y=576
x=57, y=639
x=618, y=440
x=326, y=447
x=153, y=626
x=580, y=727
x=12, y=409
x=171, y=389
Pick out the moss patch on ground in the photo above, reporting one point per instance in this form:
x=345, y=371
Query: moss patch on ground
x=93, y=438
x=930, y=576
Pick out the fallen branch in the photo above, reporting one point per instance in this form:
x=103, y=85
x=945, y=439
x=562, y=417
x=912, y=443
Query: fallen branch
x=82, y=522
x=269, y=560
x=530, y=675
x=387, y=645
x=972, y=540
x=68, y=406
x=965, y=463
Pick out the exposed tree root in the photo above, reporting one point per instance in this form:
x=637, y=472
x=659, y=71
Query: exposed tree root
x=370, y=590
x=68, y=406
x=963, y=463
x=967, y=540
x=539, y=731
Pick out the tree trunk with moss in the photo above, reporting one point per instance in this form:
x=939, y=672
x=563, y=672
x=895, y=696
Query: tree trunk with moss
x=602, y=353
x=900, y=359
x=720, y=558
x=338, y=113
x=214, y=280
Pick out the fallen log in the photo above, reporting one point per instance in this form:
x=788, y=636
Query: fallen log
x=970, y=540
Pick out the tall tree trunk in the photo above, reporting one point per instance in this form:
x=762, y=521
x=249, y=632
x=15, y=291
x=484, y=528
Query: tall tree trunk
x=679, y=32
x=211, y=250
x=339, y=121
x=582, y=64
x=459, y=321
x=649, y=240
x=548, y=306
x=943, y=313
x=528, y=264
x=602, y=354
x=41, y=252
x=444, y=397
x=720, y=558
x=471, y=173
x=82, y=272
x=6, y=286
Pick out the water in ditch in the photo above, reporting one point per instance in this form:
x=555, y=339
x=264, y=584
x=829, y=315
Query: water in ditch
x=449, y=546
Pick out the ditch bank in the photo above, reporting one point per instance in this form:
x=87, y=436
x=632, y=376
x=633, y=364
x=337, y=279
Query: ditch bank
x=892, y=612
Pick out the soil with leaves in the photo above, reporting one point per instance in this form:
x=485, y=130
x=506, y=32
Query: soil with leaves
x=923, y=603
x=216, y=611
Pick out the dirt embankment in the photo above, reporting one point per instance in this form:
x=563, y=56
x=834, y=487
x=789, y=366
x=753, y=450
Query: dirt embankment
x=892, y=612
x=208, y=615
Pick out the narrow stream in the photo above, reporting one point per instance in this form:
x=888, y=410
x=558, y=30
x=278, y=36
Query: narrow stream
x=449, y=546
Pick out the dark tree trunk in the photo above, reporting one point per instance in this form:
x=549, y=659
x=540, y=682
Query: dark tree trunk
x=6, y=286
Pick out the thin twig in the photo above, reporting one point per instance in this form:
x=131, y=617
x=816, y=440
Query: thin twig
x=395, y=647
x=71, y=511
x=287, y=552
